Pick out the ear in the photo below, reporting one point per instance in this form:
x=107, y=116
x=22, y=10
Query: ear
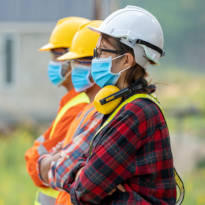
x=129, y=60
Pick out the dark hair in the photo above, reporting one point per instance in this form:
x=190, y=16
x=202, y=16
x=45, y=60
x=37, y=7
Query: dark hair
x=136, y=75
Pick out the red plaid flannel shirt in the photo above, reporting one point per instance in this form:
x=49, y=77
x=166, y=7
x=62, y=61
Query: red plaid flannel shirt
x=60, y=170
x=133, y=150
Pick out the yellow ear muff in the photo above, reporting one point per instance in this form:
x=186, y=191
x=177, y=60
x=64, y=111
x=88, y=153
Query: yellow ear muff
x=108, y=107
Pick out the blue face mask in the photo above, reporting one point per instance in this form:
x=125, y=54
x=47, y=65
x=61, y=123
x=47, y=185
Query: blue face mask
x=101, y=71
x=81, y=77
x=55, y=72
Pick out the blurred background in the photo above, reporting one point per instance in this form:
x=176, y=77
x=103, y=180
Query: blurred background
x=28, y=102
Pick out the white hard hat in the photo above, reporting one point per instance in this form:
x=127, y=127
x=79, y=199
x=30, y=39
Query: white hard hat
x=138, y=29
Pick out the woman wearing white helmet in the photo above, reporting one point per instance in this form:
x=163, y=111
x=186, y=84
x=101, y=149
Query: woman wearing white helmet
x=132, y=148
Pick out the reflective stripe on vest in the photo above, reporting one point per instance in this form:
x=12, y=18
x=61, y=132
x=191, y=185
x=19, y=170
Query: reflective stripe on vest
x=40, y=139
x=81, y=98
x=47, y=196
x=77, y=132
x=178, y=180
x=41, y=150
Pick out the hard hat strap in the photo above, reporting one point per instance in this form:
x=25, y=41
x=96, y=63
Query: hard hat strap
x=159, y=50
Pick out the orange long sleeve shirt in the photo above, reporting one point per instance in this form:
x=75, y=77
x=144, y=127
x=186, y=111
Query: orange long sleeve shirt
x=55, y=133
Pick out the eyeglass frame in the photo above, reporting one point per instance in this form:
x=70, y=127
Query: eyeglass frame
x=96, y=53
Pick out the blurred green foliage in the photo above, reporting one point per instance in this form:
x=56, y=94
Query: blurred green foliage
x=194, y=188
x=182, y=95
x=16, y=186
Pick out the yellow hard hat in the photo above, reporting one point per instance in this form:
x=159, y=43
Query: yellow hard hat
x=83, y=42
x=110, y=106
x=63, y=33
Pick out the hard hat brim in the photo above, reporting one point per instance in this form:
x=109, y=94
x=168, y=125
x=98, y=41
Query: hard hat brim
x=69, y=56
x=100, y=31
x=46, y=47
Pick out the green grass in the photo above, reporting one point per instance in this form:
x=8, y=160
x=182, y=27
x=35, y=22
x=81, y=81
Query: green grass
x=16, y=186
x=195, y=188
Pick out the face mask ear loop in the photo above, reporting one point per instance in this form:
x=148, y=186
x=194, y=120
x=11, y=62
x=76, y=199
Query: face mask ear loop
x=66, y=76
x=123, y=69
x=89, y=78
x=118, y=57
x=115, y=59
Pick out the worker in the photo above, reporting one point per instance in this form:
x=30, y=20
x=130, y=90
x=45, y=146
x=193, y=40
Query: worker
x=80, y=55
x=70, y=105
x=132, y=147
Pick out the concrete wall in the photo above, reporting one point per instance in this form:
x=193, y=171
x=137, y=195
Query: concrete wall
x=27, y=24
x=29, y=95
x=43, y=10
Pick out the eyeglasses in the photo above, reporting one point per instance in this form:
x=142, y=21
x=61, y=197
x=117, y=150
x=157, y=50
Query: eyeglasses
x=98, y=51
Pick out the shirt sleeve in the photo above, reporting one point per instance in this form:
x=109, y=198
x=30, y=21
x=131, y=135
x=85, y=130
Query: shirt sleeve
x=113, y=160
x=73, y=154
x=44, y=143
x=32, y=155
